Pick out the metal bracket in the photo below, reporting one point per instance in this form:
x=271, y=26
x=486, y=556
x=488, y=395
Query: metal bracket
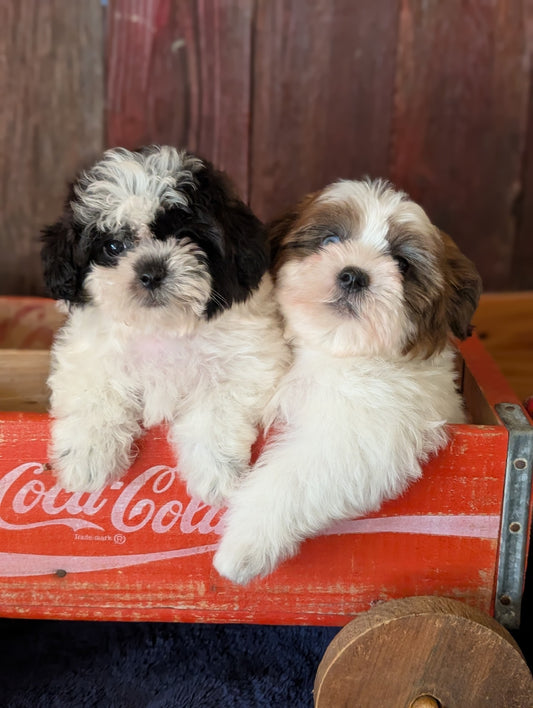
x=515, y=515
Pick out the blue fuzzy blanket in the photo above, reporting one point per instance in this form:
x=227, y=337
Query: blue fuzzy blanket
x=136, y=665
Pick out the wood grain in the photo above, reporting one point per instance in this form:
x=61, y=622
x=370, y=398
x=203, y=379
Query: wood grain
x=179, y=73
x=504, y=322
x=28, y=323
x=428, y=647
x=23, y=377
x=460, y=121
x=522, y=266
x=51, y=121
x=286, y=95
x=322, y=99
x=163, y=569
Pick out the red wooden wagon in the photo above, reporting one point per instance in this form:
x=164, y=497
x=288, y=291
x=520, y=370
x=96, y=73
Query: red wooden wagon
x=141, y=549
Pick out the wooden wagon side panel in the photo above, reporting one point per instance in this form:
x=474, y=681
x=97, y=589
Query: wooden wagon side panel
x=142, y=549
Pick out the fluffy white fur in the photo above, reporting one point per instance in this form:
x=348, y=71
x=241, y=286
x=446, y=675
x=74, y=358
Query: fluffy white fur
x=171, y=320
x=128, y=187
x=211, y=386
x=178, y=308
x=358, y=414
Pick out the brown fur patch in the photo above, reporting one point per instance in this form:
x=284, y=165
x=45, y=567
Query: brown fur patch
x=463, y=284
x=441, y=286
x=299, y=232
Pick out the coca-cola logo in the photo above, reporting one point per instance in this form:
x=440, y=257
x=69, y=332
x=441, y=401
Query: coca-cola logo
x=150, y=505
x=128, y=507
x=145, y=505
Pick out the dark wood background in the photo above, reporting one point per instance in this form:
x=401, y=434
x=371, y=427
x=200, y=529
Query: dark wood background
x=286, y=95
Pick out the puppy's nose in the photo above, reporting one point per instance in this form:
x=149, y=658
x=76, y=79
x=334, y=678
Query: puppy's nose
x=151, y=274
x=352, y=279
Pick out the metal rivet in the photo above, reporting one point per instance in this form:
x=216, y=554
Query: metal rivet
x=505, y=600
x=515, y=527
x=520, y=463
x=61, y=573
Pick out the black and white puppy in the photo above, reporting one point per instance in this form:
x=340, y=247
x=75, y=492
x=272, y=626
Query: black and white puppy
x=171, y=319
x=370, y=291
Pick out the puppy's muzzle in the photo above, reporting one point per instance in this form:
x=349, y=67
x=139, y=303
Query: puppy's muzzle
x=352, y=279
x=151, y=274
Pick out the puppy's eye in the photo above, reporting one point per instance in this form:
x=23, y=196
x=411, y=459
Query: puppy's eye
x=113, y=247
x=402, y=263
x=330, y=238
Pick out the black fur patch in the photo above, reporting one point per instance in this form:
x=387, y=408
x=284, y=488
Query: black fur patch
x=226, y=230
x=65, y=262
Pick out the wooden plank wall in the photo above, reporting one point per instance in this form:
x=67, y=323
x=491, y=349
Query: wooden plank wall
x=51, y=121
x=179, y=73
x=286, y=95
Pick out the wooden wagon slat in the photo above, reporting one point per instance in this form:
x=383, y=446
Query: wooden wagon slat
x=334, y=577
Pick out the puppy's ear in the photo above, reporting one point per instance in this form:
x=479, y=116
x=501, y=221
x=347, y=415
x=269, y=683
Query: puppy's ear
x=463, y=284
x=251, y=248
x=244, y=241
x=62, y=274
x=277, y=231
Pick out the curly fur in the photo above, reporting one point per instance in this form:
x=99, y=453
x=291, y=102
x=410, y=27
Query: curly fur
x=369, y=290
x=171, y=320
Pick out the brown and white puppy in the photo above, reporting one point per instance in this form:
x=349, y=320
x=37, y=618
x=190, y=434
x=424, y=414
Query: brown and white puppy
x=370, y=291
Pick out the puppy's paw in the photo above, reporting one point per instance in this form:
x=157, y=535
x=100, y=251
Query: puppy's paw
x=213, y=491
x=210, y=479
x=86, y=462
x=241, y=562
x=76, y=472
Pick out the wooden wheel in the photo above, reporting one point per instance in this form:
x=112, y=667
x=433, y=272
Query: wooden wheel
x=423, y=652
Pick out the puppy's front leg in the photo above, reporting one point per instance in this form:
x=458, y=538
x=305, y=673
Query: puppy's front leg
x=213, y=441
x=268, y=516
x=295, y=491
x=95, y=422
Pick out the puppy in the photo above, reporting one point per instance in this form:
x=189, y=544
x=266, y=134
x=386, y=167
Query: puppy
x=369, y=290
x=171, y=319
